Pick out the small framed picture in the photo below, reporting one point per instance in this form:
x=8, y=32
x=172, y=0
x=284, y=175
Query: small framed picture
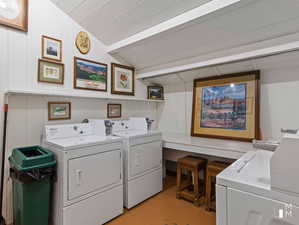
x=50, y=72
x=51, y=48
x=155, y=92
x=59, y=110
x=90, y=75
x=114, y=110
x=122, y=79
x=14, y=14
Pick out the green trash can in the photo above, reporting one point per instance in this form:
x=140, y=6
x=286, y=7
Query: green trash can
x=32, y=170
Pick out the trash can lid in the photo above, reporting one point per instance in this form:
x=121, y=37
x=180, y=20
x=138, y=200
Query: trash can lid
x=32, y=157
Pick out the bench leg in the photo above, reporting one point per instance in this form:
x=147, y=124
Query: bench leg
x=208, y=192
x=196, y=187
x=178, y=182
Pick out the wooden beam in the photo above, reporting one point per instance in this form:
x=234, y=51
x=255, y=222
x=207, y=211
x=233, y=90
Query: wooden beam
x=292, y=46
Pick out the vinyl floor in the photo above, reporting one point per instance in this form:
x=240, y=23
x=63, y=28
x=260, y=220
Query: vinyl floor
x=165, y=209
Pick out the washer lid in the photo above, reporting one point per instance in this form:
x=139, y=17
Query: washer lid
x=134, y=133
x=83, y=141
x=251, y=173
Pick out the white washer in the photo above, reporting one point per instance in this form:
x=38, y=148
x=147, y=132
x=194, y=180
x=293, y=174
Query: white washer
x=142, y=160
x=89, y=187
x=245, y=195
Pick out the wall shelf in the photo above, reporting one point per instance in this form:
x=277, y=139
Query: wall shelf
x=79, y=95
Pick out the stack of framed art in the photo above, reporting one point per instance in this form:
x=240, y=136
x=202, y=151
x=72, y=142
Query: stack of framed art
x=50, y=70
x=227, y=106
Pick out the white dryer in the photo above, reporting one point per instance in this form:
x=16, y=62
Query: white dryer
x=89, y=187
x=142, y=160
x=245, y=195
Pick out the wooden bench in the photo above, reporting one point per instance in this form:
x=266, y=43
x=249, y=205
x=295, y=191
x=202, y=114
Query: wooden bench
x=190, y=190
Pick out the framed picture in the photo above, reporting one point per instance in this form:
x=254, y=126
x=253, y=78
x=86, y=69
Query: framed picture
x=59, y=110
x=122, y=79
x=227, y=106
x=50, y=72
x=51, y=48
x=90, y=75
x=83, y=42
x=14, y=13
x=114, y=110
x=155, y=92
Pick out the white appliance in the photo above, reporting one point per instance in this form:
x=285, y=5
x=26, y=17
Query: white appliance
x=142, y=160
x=261, y=188
x=89, y=187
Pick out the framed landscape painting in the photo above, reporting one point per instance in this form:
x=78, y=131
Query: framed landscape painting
x=122, y=79
x=59, y=110
x=51, y=48
x=90, y=75
x=155, y=92
x=14, y=13
x=227, y=106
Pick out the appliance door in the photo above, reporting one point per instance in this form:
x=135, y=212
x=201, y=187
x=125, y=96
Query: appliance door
x=93, y=173
x=249, y=209
x=144, y=157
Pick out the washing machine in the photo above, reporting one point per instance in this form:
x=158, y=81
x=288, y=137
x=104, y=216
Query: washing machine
x=89, y=186
x=142, y=159
x=261, y=188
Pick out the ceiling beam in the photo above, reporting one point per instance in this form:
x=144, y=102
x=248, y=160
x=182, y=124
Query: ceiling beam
x=184, y=18
x=292, y=46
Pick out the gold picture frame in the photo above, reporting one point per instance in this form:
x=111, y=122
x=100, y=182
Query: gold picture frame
x=59, y=111
x=227, y=106
x=10, y=17
x=122, y=79
x=50, y=72
x=51, y=48
x=155, y=92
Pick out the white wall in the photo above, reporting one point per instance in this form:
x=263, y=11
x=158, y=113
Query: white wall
x=18, y=71
x=279, y=103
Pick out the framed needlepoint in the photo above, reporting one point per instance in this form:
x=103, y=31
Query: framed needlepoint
x=227, y=106
x=122, y=79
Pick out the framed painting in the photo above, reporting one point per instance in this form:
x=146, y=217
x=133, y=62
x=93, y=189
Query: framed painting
x=50, y=72
x=227, y=106
x=51, y=48
x=90, y=75
x=14, y=14
x=155, y=92
x=114, y=110
x=122, y=79
x=59, y=110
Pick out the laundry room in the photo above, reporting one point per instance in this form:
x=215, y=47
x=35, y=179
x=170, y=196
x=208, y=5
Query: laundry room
x=147, y=112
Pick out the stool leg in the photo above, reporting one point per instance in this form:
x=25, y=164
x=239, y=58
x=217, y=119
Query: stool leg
x=196, y=187
x=208, y=192
x=178, y=181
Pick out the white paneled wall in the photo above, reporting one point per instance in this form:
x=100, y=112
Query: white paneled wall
x=279, y=103
x=18, y=71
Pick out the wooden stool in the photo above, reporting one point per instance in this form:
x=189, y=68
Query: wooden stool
x=194, y=165
x=213, y=169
